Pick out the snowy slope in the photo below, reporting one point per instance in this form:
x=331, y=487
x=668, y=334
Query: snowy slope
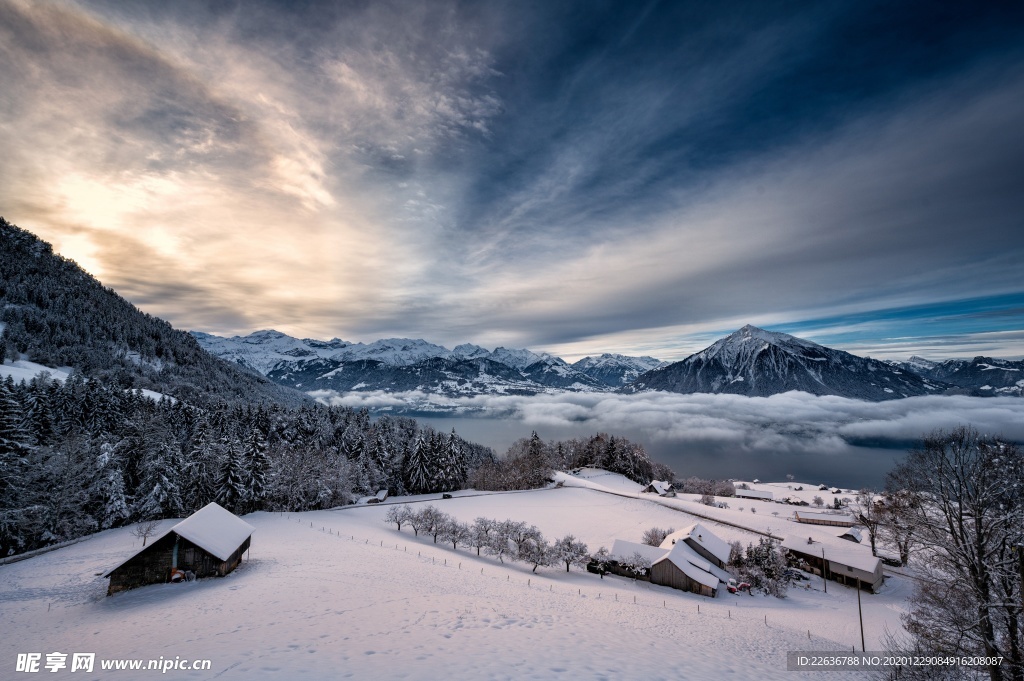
x=311, y=602
x=22, y=370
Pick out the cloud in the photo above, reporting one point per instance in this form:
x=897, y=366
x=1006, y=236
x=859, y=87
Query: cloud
x=790, y=422
x=633, y=179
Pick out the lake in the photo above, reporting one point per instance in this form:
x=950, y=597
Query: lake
x=850, y=467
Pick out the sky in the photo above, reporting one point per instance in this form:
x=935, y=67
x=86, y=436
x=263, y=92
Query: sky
x=571, y=177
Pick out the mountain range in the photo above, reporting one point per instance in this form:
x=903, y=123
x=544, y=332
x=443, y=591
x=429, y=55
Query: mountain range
x=400, y=364
x=750, y=361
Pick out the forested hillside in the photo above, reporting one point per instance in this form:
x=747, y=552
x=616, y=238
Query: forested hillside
x=79, y=456
x=56, y=314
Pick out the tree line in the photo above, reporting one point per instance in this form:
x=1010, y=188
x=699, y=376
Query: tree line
x=530, y=461
x=503, y=539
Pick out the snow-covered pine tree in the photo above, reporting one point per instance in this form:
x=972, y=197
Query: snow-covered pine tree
x=115, y=511
x=160, y=490
x=231, y=492
x=418, y=469
x=258, y=464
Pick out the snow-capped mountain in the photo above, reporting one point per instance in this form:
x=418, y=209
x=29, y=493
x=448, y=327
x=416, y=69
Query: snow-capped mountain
x=616, y=370
x=756, y=362
x=982, y=376
x=399, y=364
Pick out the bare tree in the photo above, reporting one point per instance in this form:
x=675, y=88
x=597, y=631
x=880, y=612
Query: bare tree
x=898, y=528
x=869, y=514
x=968, y=599
x=656, y=535
x=145, y=530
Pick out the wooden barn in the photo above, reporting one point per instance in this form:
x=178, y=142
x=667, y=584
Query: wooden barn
x=208, y=543
x=682, y=568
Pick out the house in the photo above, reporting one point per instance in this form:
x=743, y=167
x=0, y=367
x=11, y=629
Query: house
x=821, y=518
x=661, y=488
x=705, y=543
x=378, y=497
x=208, y=543
x=843, y=561
x=753, y=494
x=682, y=568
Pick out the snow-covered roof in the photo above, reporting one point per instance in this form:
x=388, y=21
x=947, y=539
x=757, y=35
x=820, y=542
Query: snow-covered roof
x=215, y=529
x=691, y=565
x=701, y=535
x=825, y=517
x=659, y=486
x=626, y=549
x=836, y=551
x=754, y=493
x=852, y=532
x=212, y=528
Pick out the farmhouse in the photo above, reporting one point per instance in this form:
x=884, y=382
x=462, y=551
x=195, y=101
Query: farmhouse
x=820, y=518
x=753, y=494
x=704, y=542
x=661, y=488
x=208, y=543
x=843, y=561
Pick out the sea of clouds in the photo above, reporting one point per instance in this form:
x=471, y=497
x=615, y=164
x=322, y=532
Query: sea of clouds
x=790, y=422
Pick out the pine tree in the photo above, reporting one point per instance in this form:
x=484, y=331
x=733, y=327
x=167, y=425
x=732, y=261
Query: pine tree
x=418, y=471
x=14, y=449
x=231, y=492
x=259, y=467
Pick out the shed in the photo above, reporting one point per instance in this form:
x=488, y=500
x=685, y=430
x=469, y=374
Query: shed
x=209, y=543
x=820, y=518
x=843, y=561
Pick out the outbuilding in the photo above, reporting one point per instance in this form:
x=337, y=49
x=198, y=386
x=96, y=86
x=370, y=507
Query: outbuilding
x=208, y=543
x=843, y=561
x=821, y=518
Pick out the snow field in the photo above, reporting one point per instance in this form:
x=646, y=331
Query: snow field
x=313, y=602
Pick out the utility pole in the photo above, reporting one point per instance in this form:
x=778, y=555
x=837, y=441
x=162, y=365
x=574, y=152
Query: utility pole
x=824, y=579
x=861, y=614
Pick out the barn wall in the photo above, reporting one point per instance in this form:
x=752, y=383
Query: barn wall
x=153, y=566
x=665, y=573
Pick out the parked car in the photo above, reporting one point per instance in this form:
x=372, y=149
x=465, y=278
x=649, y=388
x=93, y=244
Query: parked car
x=793, y=573
x=733, y=586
